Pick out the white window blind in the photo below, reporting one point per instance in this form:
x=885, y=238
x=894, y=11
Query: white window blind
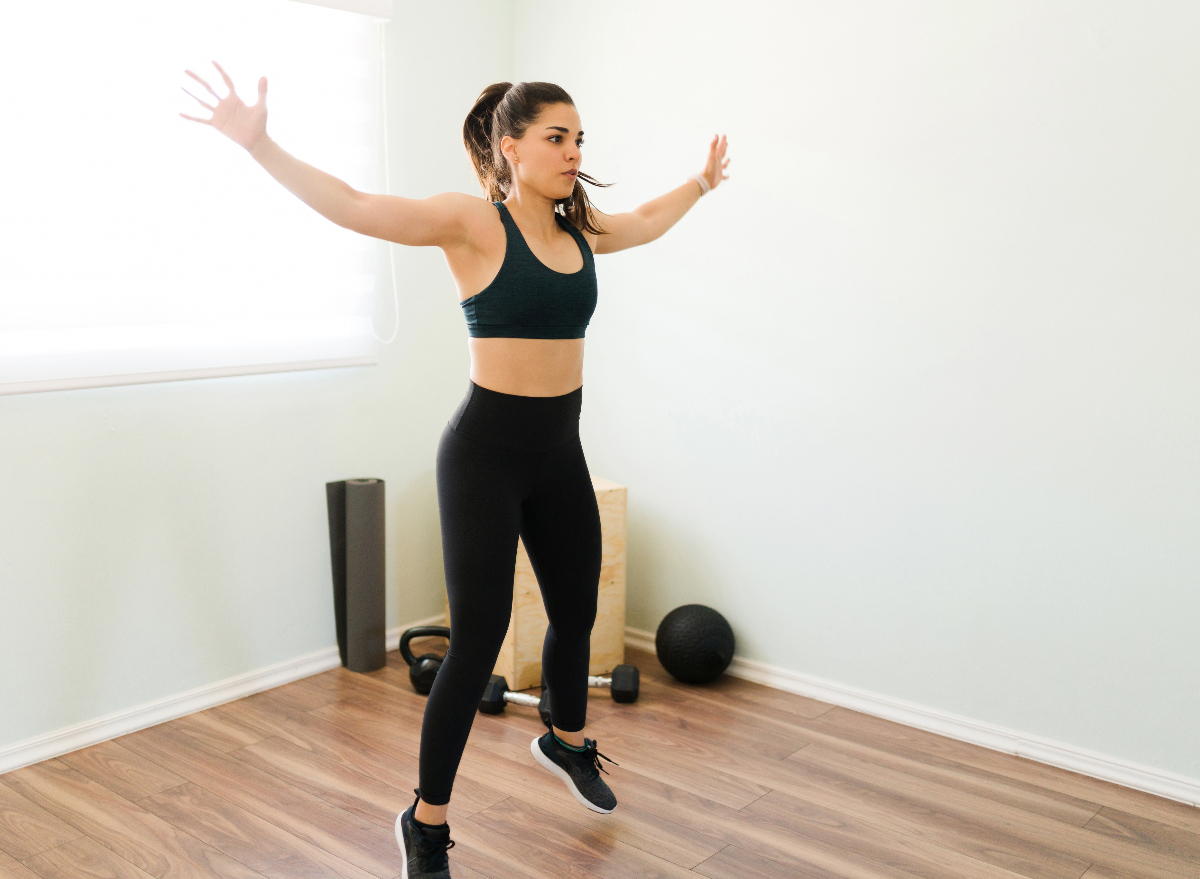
x=136, y=245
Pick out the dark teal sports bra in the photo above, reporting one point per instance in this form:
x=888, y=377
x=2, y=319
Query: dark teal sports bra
x=529, y=300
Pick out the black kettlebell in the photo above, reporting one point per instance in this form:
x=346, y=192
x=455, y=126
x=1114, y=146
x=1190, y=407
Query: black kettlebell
x=423, y=669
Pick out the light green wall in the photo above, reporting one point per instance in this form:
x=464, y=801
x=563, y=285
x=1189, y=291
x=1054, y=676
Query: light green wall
x=157, y=538
x=912, y=397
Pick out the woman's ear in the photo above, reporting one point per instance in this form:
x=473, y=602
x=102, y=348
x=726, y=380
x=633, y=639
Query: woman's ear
x=510, y=152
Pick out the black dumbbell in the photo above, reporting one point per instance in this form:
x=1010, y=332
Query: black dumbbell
x=496, y=694
x=623, y=682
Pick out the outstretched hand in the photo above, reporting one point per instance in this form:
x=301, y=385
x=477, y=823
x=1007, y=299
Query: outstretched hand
x=715, y=168
x=242, y=124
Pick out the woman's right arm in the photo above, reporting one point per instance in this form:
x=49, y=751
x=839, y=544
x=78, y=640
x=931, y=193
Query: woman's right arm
x=437, y=221
x=440, y=220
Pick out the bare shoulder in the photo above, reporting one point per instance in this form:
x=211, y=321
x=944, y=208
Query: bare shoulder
x=448, y=219
x=620, y=231
x=481, y=222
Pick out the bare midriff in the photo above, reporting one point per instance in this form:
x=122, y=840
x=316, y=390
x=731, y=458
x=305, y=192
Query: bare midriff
x=527, y=367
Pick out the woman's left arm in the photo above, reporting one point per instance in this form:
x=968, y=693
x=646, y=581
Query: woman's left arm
x=652, y=219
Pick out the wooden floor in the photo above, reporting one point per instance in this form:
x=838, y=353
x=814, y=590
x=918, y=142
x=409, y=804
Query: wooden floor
x=730, y=780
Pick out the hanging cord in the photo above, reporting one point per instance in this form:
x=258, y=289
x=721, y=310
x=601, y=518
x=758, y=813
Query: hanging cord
x=387, y=183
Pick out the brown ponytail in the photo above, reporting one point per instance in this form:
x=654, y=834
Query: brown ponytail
x=506, y=109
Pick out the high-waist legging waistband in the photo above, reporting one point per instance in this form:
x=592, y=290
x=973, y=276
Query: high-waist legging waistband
x=511, y=421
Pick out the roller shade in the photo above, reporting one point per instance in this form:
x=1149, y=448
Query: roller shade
x=140, y=246
x=381, y=9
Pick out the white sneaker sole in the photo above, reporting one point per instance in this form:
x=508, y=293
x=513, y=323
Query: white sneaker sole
x=403, y=851
x=541, y=758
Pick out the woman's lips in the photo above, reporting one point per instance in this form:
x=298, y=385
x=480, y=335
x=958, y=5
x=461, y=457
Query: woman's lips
x=571, y=173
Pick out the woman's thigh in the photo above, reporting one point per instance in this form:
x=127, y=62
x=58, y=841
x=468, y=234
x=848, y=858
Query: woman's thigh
x=479, y=505
x=560, y=527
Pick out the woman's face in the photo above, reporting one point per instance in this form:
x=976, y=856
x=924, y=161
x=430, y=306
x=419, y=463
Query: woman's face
x=544, y=158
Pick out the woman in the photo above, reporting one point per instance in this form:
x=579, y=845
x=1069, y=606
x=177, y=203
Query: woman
x=509, y=461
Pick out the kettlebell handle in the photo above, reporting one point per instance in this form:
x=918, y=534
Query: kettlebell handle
x=419, y=632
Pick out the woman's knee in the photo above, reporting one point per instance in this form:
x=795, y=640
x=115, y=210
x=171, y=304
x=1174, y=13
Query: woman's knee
x=574, y=622
x=477, y=643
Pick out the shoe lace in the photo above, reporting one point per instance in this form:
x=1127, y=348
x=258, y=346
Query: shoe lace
x=593, y=767
x=431, y=853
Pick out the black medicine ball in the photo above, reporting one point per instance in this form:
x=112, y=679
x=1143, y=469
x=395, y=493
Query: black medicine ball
x=694, y=643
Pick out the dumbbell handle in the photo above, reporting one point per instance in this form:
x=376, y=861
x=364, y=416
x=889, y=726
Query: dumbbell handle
x=520, y=698
x=598, y=681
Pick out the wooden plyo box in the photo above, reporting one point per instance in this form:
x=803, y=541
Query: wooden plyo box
x=520, y=659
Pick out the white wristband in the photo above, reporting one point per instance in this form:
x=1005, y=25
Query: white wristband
x=703, y=181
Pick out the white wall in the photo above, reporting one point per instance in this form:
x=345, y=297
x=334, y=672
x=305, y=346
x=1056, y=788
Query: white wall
x=157, y=538
x=912, y=397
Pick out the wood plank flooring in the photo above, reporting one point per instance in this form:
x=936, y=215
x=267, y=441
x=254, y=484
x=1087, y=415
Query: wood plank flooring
x=730, y=780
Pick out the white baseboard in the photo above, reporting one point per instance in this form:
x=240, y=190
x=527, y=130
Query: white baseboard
x=964, y=729
x=92, y=732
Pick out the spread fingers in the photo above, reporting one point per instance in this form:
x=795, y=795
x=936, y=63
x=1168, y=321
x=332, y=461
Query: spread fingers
x=203, y=83
x=200, y=102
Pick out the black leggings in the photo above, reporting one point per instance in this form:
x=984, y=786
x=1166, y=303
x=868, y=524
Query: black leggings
x=509, y=465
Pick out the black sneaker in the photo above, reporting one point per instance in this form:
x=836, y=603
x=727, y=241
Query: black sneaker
x=579, y=770
x=424, y=851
